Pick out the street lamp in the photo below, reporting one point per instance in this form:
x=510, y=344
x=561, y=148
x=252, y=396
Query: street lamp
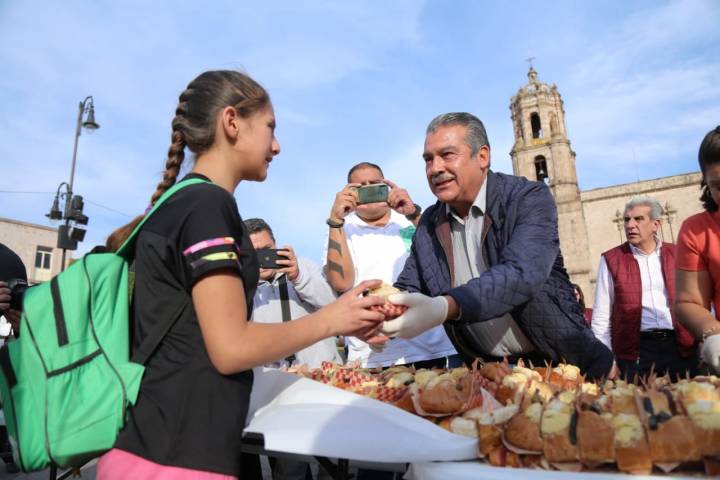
x=69, y=235
x=619, y=222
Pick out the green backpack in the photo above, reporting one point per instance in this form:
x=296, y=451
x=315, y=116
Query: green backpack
x=68, y=379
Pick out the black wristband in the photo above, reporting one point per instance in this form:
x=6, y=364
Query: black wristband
x=332, y=224
x=415, y=214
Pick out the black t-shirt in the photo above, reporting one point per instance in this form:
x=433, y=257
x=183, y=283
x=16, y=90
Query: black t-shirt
x=187, y=413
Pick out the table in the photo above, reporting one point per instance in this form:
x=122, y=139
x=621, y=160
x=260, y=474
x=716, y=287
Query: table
x=480, y=471
x=337, y=468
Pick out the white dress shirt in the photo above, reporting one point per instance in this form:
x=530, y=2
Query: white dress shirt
x=655, y=308
x=499, y=336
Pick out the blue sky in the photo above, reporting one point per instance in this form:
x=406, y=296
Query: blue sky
x=351, y=82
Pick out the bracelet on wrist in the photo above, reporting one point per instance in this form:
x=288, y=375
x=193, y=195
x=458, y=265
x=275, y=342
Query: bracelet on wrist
x=415, y=214
x=709, y=332
x=333, y=224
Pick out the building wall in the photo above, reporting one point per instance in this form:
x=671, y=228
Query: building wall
x=601, y=205
x=24, y=238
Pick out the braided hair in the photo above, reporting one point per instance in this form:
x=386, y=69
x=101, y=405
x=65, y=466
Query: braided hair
x=193, y=126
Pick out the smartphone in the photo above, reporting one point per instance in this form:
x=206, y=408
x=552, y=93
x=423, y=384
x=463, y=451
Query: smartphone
x=377, y=192
x=268, y=257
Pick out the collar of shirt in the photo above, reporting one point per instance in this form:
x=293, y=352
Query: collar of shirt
x=637, y=251
x=477, y=209
x=354, y=219
x=273, y=281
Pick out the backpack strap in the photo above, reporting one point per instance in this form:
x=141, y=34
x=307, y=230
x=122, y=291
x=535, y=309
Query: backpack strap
x=130, y=241
x=147, y=347
x=285, y=308
x=142, y=353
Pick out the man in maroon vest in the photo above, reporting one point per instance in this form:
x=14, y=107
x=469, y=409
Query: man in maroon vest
x=635, y=289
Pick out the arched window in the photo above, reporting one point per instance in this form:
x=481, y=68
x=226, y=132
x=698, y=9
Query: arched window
x=535, y=124
x=541, y=171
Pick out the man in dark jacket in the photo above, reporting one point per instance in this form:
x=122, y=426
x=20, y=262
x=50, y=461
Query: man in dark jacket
x=486, y=262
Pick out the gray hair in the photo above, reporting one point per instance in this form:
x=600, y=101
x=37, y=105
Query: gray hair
x=641, y=200
x=476, y=136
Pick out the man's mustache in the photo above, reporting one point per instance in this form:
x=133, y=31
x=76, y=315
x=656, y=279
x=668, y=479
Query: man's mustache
x=441, y=177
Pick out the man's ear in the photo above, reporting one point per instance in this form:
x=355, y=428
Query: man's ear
x=483, y=157
x=657, y=225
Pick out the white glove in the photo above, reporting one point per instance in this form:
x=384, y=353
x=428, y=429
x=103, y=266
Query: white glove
x=710, y=352
x=423, y=314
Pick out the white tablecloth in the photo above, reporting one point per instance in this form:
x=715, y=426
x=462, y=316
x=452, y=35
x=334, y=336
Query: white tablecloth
x=297, y=415
x=481, y=471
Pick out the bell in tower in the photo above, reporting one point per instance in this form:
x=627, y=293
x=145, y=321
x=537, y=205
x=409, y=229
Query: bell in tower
x=542, y=152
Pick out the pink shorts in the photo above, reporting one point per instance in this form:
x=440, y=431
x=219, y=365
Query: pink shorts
x=120, y=465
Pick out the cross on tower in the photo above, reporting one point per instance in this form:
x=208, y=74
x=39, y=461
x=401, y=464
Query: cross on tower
x=530, y=60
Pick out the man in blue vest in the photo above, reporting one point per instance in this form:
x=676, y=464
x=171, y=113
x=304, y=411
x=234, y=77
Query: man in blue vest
x=485, y=260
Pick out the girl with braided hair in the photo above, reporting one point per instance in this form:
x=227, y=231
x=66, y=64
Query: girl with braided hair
x=196, y=267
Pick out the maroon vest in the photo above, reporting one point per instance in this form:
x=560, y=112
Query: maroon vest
x=627, y=303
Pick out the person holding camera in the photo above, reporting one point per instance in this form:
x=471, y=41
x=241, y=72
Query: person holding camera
x=13, y=283
x=371, y=227
x=289, y=287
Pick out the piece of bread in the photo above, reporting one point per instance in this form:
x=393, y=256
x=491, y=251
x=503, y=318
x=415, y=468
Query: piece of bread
x=445, y=394
x=674, y=440
x=523, y=430
x=632, y=452
x=490, y=425
x=705, y=416
x=595, y=438
x=555, y=425
x=390, y=310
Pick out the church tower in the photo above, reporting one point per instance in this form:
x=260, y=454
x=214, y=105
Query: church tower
x=542, y=152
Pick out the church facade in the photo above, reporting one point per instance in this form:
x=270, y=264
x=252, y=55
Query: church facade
x=589, y=222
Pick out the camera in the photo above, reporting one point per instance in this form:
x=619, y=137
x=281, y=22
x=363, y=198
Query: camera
x=17, y=288
x=268, y=257
x=377, y=192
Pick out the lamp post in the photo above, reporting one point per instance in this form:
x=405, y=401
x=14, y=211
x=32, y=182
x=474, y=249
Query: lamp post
x=69, y=236
x=670, y=213
x=619, y=221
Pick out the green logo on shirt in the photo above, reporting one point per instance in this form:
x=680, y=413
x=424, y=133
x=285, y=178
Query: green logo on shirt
x=406, y=234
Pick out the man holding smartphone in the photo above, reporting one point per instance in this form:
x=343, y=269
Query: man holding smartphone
x=289, y=287
x=371, y=226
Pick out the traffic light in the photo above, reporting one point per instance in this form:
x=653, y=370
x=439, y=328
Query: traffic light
x=76, y=210
x=70, y=234
x=65, y=240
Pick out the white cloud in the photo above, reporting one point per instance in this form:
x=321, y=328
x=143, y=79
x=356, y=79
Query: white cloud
x=647, y=87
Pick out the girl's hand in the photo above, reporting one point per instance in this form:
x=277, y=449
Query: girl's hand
x=350, y=314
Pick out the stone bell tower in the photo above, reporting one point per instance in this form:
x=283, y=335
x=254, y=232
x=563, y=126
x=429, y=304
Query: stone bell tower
x=542, y=152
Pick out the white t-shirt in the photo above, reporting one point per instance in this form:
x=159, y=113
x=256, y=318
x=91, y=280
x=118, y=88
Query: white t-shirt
x=380, y=252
